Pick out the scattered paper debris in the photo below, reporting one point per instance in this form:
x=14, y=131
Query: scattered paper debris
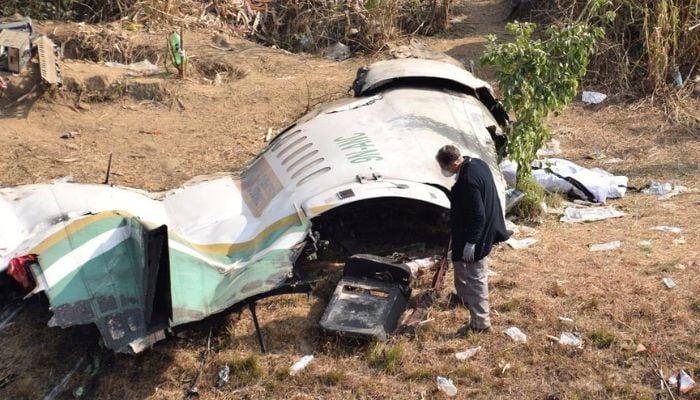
x=669, y=283
x=682, y=381
x=666, y=190
x=516, y=334
x=679, y=241
x=593, y=97
x=566, y=320
x=300, y=365
x=573, y=215
x=520, y=244
x=666, y=228
x=467, y=354
x=606, y=246
x=446, y=386
x=570, y=339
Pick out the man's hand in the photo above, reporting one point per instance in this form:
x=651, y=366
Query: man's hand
x=468, y=253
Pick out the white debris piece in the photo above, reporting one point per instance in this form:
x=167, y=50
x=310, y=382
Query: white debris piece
x=666, y=228
x=572, y=214
x=606, y=246
x=467, y=354
x=338, y=52
x=669, y=283
x=592, y=97
x=563, y=176
x=446, y=386
x=420, y=264
x=300, y=365
x=687, y=384
x=516, y=334
x=679, y=241
x=666, y=190
x=566, y=320
x=519, y=244
x=570, y=339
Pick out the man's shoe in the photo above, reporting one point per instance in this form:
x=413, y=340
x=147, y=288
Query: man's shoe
x=466, y=330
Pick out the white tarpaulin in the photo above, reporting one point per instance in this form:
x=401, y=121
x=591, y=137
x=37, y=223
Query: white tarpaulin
x=557, y=175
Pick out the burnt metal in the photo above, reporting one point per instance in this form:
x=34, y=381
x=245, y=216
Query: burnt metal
x=369, y=299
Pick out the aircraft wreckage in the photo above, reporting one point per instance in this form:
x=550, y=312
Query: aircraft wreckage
x=137, y=264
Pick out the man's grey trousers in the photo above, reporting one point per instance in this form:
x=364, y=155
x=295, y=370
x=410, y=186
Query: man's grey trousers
x=473, y=288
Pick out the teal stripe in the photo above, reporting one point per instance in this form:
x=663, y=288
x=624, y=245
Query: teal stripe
x=77, y=239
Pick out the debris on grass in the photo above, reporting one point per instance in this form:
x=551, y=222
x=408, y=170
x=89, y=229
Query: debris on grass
x=606, y=246
x=669, y=283
x=570, y=339
x=446, y=386
x=666, y=228
x=593, y=97
x=300, y=365
x=574, y=215
x=665, y=190
x=679, y=241
x=682, y=381
x=519, y=244
x=222, y=376
x=516, y=334
x=640, y=348
x=566, y=320
x=467, y=354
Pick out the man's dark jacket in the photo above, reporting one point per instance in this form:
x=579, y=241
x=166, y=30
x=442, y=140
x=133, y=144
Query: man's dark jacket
x=475, y=214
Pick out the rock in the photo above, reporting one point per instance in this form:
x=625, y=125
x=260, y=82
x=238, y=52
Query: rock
x=338, y=52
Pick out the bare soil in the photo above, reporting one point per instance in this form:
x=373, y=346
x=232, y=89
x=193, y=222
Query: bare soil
x=180, y=129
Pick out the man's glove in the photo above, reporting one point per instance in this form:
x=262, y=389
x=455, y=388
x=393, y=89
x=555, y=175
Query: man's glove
x=468, y=253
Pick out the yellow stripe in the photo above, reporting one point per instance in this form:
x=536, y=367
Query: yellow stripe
x=214, y=248
x=70, y=229
x=228, y=248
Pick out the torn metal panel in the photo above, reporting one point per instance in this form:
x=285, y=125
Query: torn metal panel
x=48, y=63
x=135, y=263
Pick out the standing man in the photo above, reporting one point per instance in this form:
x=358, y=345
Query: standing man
x=477, y=223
